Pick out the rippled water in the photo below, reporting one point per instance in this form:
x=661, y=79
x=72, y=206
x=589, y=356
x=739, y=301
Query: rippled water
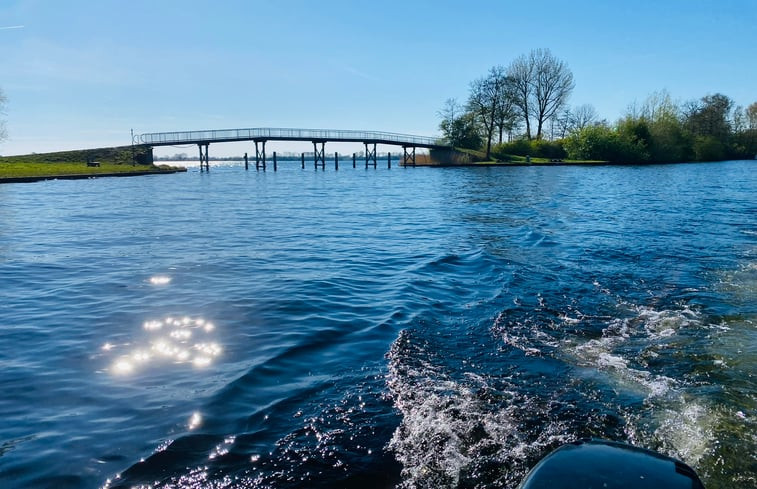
x=381, y=328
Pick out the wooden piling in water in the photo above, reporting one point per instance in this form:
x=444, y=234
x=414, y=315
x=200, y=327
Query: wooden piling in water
x=275, y=167
x=336, y=161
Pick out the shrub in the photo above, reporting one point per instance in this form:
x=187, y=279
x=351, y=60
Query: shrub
x=536, y=148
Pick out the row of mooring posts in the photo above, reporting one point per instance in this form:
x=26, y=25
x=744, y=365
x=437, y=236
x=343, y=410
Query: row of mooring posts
x=319, y=157
x=319, y=162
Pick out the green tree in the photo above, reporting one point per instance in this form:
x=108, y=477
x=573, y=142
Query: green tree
x=460, y=129
x=709, y=116
x=709, y=148
x=668, y=140
x=600, y=142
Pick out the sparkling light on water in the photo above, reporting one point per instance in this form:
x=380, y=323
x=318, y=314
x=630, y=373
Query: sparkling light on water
x=175, y=340
x=194, y=421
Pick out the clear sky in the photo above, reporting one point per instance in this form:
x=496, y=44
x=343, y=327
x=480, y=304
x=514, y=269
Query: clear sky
x=82, y=73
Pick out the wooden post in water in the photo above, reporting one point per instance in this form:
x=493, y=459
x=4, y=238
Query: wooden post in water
x=319, y=155
x=303, y=161
x=354, y=156
x=389, y=160
x=370, y=155
x=260, y=155
x=274, y=162
x=246, y=166
x=336, y=160
x=204, y=157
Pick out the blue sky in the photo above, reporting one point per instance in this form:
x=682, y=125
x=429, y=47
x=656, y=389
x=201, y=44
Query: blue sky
x=81, y=74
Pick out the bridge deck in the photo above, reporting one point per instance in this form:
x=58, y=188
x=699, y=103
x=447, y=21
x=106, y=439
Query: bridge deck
x=283, y=134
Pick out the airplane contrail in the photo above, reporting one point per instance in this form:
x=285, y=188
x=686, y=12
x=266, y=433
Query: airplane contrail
x=11, y=27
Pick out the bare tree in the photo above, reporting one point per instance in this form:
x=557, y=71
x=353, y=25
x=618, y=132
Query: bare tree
x=541, y=85
x=565, y=122
x=448, y=114
x=506, y=113
x=521, y=74
x=451, y=110
x=658, y=106
x=583, y=116
x=552, y=85
x=486, y=102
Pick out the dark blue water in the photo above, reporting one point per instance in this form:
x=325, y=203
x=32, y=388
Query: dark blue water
x=370, y=329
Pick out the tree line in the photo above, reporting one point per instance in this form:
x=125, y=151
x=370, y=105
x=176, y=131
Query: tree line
x=522, y=109
x=660, y=130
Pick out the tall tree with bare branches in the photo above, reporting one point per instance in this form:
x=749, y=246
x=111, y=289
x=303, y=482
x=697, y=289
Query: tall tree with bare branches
x=542, y=86
x=486, y=101
x=521, y=73
x=552, y=85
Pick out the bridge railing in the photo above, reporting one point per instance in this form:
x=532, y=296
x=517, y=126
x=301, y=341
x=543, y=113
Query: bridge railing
x=184, y=137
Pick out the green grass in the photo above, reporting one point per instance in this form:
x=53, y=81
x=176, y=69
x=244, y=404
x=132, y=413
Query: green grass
x=66, y=163
x=10, y=169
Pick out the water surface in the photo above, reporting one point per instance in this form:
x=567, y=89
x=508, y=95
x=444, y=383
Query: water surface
x=375, y=328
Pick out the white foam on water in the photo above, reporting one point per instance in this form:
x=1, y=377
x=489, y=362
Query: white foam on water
x=686, y=429
x=450, y=427
x=683, y=427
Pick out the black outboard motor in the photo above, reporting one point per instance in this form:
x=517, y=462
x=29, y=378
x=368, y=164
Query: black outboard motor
x=599, y=464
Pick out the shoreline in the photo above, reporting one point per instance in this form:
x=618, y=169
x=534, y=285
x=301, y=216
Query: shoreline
x=85, y=176
x=562, y=163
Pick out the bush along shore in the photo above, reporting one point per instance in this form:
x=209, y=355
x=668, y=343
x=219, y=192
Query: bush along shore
x=101, y=162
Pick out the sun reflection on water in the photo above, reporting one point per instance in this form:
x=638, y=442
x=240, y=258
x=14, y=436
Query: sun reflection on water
x=160, y=280
x=195, y=421
x=174, y=340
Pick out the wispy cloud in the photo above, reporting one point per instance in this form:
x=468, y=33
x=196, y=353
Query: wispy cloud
x=360, y=74
x=11, y=27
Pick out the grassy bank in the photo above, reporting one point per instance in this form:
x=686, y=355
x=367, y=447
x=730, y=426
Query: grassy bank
x=115, y=161
x=470, y=157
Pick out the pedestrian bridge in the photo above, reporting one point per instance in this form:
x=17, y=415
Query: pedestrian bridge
x=261, y=135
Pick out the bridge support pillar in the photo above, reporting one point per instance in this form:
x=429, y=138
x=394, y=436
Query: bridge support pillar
x=204, y=163
x=260, y=155
x=319, y=156
x=408, y=157
x=370, y=155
